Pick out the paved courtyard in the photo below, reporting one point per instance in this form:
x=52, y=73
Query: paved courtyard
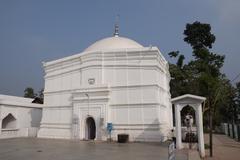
x=49, y=149
x=224, y=148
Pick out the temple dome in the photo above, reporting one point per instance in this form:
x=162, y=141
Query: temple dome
x=113, y=43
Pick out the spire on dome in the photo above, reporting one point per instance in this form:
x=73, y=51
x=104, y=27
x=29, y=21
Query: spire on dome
x=116, y=27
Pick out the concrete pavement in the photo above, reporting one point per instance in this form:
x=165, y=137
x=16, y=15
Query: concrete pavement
x=49, y=149
x=224, y=148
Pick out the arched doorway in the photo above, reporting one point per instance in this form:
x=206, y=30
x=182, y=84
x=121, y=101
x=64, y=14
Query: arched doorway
x=90, y=128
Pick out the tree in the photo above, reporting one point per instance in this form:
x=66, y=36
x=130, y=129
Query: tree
x=29, y=93
x=238, y=99
x=205, y=67
x=38, y=98
x=199, y=35
x=202, y=75
x=40, y=94
x=177, y=84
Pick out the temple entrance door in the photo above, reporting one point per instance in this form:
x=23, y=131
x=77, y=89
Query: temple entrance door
x=90, y=129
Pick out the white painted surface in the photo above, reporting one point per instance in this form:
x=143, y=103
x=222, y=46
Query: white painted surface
x=26, y=114
x=195, y=102
x=130, y=90
x=111, y=43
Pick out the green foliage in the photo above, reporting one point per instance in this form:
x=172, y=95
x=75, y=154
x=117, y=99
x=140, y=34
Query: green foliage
x=180, y=61
x=199, y=35
x=238, y=93
x=202, y=75
x=40, y=94
x=173, y=54
x=29, y=93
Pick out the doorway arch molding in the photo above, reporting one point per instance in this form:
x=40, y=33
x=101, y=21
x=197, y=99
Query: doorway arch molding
x=196, y=103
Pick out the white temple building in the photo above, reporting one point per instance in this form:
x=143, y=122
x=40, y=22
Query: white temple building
x=115, y=80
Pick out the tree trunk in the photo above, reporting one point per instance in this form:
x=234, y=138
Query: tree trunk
x=210, y=131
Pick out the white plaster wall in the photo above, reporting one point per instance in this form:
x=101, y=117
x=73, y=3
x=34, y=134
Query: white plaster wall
x=26, y=118
x=138, y=101
x=56, y=122
x=118, y=78
x=58, y=99
x=66, y=81
x=149, y=76
x=141, y=122
x=89, y=73
x=134, y=95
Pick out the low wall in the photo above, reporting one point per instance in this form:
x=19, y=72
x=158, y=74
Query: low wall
x=231, y=130
x=22, y=132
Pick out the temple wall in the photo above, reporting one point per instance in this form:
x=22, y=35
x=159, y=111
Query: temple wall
x=19, y=118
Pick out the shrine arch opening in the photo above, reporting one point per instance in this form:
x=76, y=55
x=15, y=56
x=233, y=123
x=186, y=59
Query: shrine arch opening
x=187, y=110
x=188, y=123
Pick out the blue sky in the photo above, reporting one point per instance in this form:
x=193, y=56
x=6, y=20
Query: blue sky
x=32, y=31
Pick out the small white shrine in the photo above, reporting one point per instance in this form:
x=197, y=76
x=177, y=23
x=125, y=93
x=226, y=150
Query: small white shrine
x=196, y=103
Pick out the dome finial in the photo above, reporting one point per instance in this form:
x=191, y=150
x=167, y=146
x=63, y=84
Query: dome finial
x=116, y=27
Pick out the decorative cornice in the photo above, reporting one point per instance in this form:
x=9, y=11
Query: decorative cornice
x=85, y=89
x=80, y=59
x=101, y=66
